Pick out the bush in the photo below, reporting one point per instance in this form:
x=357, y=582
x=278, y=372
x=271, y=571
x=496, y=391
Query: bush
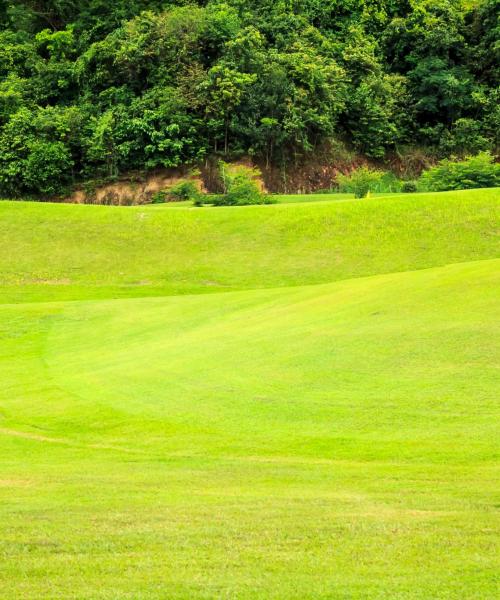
x=409, y=187
x=240, y=187
x=159, y=197
x=183, y=191
x=360, y=182
x=242, y=196
x=478, y=171
x=387, y=184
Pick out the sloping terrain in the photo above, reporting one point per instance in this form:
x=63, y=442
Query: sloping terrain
x=332, y=434
x=56, y=252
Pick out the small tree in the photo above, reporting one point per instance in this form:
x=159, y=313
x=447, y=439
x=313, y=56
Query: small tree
x=185, y=189
x=409, y=187
x=360, y=182
x=240, y=186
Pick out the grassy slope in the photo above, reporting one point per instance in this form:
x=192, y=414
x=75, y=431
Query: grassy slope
x=321, y=441
x=50, y=252
x=299, y=198
x=329, y=197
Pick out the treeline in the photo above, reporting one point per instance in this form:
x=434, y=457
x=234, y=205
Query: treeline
x=95, y=88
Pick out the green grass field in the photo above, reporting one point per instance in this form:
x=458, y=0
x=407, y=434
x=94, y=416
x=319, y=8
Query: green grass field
x=291, y=199
x=288, y=402
x=299, y=198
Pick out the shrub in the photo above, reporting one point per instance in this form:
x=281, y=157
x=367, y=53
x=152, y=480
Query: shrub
x=242, y=196
x=387, y=184
x=409, y=187
x=159, y=197
x=360, y=182
x=478, y=171
x=182, y=191
x=240, y=186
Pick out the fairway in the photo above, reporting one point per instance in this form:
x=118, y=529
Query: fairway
x=290, y=401
x=68, y=252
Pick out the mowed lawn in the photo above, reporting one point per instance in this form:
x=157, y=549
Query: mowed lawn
x=68, y=252
x=323, y=424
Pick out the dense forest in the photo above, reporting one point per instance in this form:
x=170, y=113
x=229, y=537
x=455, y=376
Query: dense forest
x=95, y=88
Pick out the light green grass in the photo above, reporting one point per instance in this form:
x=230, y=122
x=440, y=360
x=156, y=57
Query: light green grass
x=336, y=440
x=52, y=252
x=288, y=199
x=329, y=197
x=300, y=198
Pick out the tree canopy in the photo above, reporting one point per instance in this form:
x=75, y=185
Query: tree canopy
x=88, y=86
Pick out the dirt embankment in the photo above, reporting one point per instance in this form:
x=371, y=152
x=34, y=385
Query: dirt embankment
x=129, y=189
x=140, y=188
x=318, y=173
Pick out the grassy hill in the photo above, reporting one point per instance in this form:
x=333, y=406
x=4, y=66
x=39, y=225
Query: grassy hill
x=322, y=425
x=52, y=252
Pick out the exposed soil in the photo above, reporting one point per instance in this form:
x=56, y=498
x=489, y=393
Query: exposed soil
x=318, y=173
x=130, y=189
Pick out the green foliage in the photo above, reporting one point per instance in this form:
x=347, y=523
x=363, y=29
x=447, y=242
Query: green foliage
x=466, y=136
x=102, y=145
x=378, y=118
x=159, y=197
x=182, y=191
x=480, y=171
x=409, y=187
x=156, y=84
x=35, y=151
x=361, y=182
x=47, y=166
x=240, y=186
x=387, y=184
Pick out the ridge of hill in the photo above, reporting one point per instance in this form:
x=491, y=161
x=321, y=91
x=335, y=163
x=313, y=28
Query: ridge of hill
x=71, y=252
